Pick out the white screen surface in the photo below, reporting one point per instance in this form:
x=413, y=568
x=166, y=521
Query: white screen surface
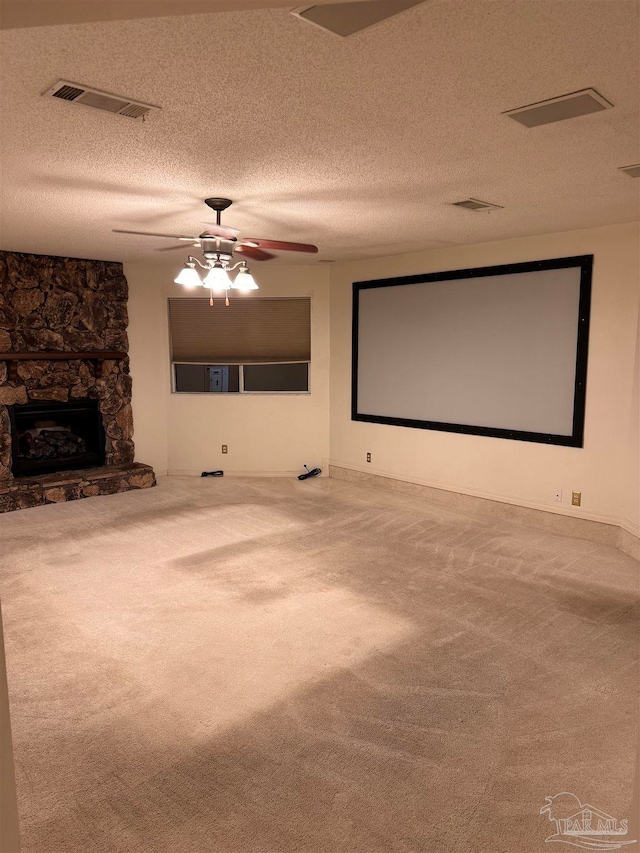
x=494, y=351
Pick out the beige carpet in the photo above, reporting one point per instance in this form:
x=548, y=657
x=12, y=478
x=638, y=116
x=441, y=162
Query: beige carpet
x=268, y=666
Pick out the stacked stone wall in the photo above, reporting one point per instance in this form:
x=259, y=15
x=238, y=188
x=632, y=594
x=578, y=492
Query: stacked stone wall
x=52, y=304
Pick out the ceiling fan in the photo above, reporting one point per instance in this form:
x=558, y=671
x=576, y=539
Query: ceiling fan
x=218, y=243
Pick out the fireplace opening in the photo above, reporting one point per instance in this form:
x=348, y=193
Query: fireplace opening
x=48, y=437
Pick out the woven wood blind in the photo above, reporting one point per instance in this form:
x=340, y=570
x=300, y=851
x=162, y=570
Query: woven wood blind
x=250, y=329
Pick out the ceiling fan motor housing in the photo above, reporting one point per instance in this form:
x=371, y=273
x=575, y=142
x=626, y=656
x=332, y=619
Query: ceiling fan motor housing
x=214, y=247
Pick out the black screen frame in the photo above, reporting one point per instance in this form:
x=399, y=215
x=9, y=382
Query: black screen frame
x=576, y=439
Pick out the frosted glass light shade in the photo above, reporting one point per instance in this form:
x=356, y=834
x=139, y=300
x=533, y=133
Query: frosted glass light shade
x=189, y=277
x=244, y=281
x=217, y=279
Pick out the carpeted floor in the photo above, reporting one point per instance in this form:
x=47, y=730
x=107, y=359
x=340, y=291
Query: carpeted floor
x=268, y=666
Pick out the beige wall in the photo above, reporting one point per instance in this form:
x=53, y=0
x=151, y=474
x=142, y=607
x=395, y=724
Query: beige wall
x=632, y=512
x=183, y=433
x=277, y=434
x=605, y=470
x=149, y=355
x=9, y=827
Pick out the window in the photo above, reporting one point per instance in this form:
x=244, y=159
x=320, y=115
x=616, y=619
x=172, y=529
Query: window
x=255, y=345
x=290, y=376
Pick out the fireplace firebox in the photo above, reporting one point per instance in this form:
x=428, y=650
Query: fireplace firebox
x=48, y=437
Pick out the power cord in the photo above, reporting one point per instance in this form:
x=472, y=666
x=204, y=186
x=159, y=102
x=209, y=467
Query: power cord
x=310, y=473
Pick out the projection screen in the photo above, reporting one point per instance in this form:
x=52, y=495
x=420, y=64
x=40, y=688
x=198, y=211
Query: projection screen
x=498, y=351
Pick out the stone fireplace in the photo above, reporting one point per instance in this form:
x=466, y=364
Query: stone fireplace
x=66, y=424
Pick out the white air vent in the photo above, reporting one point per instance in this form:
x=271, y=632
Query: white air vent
x=87, y=97
x=344, y=19
x=558, y=109
x=632, y=171
x=476, y=205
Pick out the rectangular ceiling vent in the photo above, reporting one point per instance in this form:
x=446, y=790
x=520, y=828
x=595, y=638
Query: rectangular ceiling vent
x=476, y=205
x=632, y=171
x=558, y=109
x=344, y=19
x=87, y=97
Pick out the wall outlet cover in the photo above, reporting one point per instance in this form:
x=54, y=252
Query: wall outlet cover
x=576, y=498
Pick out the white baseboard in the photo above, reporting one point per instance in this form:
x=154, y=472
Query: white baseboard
x=629, y=542
x=181, y=472
x=629, y=527
x=571, y=512
x=592, y=526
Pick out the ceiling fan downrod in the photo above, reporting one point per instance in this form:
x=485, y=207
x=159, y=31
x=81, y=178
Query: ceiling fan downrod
x=218, y=204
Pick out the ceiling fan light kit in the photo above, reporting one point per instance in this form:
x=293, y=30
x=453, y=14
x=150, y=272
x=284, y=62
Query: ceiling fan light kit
x=217, y=244
x=217, y=278
x=244, y=281
x=188, y=276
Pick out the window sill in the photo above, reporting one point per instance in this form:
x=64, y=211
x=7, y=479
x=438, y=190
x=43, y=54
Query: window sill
x=217, y=394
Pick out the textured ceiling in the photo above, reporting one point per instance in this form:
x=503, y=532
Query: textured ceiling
x=359, y=145
x=31, y=13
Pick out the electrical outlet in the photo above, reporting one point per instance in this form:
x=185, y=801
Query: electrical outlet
x=225, y=448
x=368, y=457
x=558, y=496
x=576, y=498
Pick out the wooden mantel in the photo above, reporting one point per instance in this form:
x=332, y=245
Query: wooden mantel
x=97, y=357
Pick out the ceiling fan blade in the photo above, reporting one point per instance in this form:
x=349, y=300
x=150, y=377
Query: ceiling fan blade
x=152, y=234
x=182, y=247
x=253, y=252
x=279, y=245
x=221, y=231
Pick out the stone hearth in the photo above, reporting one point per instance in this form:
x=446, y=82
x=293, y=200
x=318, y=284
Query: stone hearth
x=23, y=492
x=49, y=307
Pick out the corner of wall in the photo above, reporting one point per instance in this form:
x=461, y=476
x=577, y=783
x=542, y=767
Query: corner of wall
x=149, y=363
